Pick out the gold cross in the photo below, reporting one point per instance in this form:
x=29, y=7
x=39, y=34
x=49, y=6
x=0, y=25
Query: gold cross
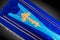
x=25, y=16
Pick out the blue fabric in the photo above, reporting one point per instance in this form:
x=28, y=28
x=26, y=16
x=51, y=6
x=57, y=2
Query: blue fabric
x=13, y=10
x=42, y=27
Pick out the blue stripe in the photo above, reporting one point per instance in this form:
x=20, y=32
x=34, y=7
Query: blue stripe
x=42, y=27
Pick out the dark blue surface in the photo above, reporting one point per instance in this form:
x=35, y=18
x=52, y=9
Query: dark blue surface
x=42, y=12
x=13, y=8
x=15, y=30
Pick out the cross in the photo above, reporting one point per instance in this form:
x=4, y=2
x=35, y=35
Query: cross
x=25, y=16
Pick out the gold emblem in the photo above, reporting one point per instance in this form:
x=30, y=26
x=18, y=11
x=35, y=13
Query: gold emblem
x=25, y=16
